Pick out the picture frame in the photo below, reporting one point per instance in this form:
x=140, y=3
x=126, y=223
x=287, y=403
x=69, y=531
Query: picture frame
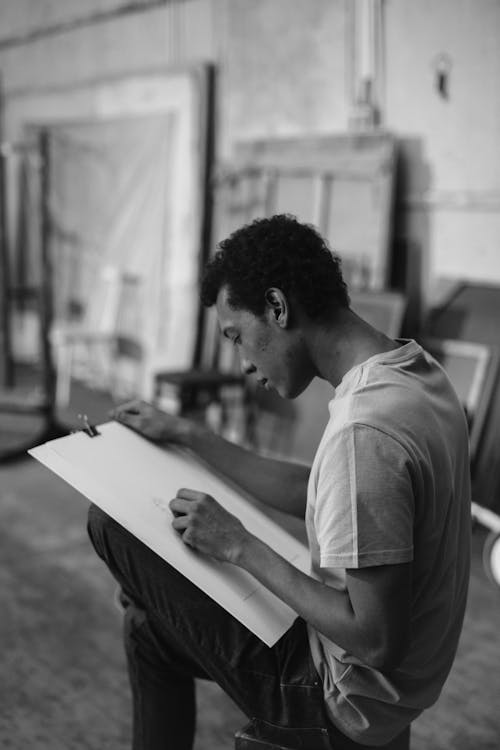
x=472, y=368
x=384, y=310
x=343, y=184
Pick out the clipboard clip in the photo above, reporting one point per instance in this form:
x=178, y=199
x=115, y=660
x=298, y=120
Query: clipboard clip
x=90, y=429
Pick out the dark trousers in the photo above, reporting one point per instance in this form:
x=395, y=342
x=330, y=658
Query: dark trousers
x=175, y=633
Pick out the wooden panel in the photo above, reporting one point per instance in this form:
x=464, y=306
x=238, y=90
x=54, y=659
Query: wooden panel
x=362, y=154
x=471, y=314
x=343, y=184
x=383, y=310
x=295, y=194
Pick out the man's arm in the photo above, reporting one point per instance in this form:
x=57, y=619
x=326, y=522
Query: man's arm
x=370, y=619
x=279, y=484
x=282, y=485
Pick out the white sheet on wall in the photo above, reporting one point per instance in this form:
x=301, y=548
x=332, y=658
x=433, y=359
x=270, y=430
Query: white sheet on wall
x=162, y=211
x=109, y=208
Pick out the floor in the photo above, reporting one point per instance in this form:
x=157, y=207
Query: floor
x=63, y=684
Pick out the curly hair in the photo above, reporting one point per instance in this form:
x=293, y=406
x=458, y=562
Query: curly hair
x=276, y=252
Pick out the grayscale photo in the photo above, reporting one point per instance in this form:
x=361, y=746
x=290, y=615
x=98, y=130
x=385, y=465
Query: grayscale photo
x=249, y=374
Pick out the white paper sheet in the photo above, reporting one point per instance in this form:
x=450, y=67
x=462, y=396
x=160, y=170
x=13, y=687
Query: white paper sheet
x=133, y=481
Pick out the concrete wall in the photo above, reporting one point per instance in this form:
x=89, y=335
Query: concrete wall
x=281, y=63
x=451, y=198
x=283, y=69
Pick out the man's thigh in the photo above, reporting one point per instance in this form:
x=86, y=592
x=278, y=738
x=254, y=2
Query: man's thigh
x=193, y=634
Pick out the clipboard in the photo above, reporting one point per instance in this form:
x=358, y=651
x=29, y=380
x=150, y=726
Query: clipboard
x=133, y=480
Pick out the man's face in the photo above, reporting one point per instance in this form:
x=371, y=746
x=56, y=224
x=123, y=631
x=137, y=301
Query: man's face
x=266, y=348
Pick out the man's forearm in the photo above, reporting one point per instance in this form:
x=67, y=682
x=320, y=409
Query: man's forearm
x=327, y=609
x=370, y=618
x=279, y=484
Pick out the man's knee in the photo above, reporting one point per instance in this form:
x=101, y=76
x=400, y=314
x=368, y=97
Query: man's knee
x=99, y=525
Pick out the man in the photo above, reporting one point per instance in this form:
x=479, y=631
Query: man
x=386, y=506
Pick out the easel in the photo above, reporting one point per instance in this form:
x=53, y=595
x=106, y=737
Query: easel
x=16, y=401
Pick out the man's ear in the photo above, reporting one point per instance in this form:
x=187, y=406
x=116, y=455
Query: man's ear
x=277, y=305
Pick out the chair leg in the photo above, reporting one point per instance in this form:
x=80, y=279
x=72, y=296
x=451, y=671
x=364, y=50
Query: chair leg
x=64, y=363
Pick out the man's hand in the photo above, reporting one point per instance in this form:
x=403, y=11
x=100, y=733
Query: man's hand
x=207, y=527
x=152, y=423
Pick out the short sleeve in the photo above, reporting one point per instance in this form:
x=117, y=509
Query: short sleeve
x=364, y=510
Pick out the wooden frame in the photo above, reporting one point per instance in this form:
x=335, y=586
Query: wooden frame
x=383, y=310
x=472, y=369
x=6, y=363
x=342, y=183
x=186, y=94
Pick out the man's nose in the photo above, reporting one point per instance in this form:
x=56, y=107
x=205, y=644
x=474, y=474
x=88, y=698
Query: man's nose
x=247, y=367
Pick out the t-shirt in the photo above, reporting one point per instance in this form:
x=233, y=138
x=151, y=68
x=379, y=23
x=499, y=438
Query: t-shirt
x=390, y=483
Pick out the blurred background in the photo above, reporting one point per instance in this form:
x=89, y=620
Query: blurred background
x=134, y=136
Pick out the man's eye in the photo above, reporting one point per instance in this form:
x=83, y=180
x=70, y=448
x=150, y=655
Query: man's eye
x=236, y=340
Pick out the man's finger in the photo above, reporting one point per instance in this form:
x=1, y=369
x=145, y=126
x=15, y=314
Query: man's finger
x=191, y=495
x=120, y=415
x=180, y=523
x=131, y=416
x=178, y=506
x=129, y=407
x=129, y=420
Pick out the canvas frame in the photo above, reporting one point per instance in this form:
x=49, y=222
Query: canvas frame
x=476, y=397
x=384, y=310
x=188, y=92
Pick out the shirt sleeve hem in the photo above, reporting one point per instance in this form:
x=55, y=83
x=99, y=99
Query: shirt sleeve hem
x=366, y=559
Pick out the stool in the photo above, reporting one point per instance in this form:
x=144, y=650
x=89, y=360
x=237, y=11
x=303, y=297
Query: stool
x=259, y=736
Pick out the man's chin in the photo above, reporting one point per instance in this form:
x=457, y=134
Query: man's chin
x=290, y=392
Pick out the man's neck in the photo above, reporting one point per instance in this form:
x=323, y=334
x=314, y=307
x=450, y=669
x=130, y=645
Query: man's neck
x=343, y=343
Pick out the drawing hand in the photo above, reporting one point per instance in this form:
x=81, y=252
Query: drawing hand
x=207, y=527
x=152, y=423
